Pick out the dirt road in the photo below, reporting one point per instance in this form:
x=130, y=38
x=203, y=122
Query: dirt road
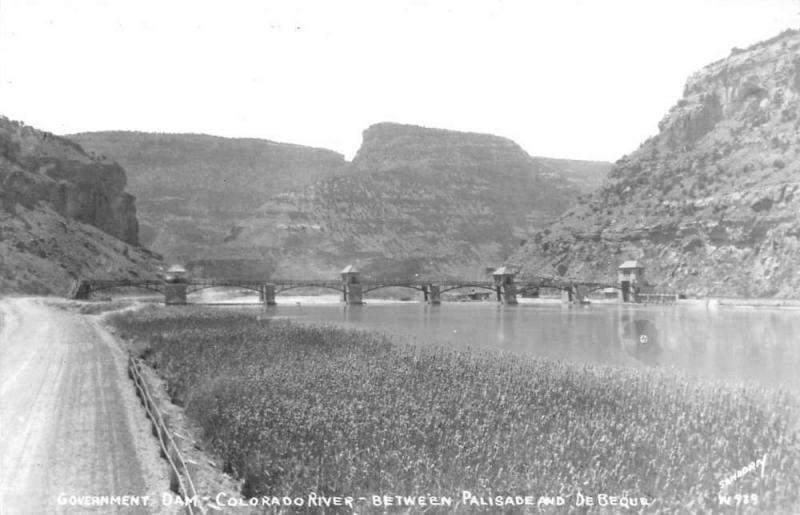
x=71, y=427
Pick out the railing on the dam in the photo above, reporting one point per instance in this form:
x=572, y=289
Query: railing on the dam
x=658, y=298
x=352, y=288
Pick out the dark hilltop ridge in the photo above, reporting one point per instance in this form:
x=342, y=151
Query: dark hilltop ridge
x=192, y=189
x=711, y=204
x=63, y=214
x=414, y=200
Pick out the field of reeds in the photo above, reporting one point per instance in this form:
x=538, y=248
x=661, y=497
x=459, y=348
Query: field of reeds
x=295, y=409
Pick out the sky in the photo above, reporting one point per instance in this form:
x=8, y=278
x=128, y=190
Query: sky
x=577, y=79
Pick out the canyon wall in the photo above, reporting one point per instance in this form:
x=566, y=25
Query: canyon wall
x=63, y=215
x=711, y=204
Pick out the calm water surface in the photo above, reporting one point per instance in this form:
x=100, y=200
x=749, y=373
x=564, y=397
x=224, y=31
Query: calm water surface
x=736, y=344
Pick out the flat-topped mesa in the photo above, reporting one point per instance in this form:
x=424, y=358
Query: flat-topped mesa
x=390, y=146
x=417, y=201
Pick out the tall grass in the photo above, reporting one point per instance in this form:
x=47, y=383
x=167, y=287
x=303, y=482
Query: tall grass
x=298, y=408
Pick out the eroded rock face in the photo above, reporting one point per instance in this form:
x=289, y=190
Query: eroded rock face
x=712, y=203
x=38, y=167
x=63, y=216
x=420, y=201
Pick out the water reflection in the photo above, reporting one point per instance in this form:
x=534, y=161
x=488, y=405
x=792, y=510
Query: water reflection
x=731, y=343
x=639, y=338
x=353, y=314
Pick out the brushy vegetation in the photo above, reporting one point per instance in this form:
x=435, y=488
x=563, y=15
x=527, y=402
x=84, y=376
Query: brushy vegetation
x=295, y=408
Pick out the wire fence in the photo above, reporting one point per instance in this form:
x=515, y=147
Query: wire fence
x=180, y=481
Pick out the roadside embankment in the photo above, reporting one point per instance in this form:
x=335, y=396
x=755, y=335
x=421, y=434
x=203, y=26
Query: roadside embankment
x=197, y=467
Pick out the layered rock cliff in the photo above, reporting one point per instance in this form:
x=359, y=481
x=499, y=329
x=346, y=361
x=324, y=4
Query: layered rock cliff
x=415, y=201
x=40, y=166
x=710, y=204
x=63, y=214
x=193, y=188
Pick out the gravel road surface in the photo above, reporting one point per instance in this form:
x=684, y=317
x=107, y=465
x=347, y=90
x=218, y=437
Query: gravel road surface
x=71, y=427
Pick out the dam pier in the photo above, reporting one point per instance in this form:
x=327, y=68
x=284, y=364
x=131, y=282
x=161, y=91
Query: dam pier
x=176, y=285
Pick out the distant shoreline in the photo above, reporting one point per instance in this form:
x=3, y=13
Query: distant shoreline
x=328, y=299
x=734, y=302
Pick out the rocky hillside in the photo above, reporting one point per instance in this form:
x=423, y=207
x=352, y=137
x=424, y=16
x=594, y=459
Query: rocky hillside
x=63, y=214
x=193, y=188
x=585, y=176
x=416, y=201
x=711, y=204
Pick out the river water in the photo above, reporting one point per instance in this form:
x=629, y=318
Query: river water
x=747, y=344
x=759, y=345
